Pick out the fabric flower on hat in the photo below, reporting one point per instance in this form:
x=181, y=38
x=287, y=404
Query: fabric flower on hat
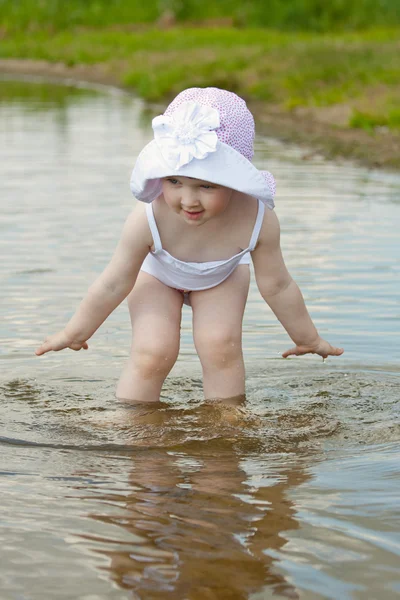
x=188, y=133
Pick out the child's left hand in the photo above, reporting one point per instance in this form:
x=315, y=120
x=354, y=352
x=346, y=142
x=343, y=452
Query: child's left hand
x=321, y=347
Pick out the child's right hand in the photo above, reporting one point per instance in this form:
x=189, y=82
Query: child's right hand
x=59, y=341
x=321, y=347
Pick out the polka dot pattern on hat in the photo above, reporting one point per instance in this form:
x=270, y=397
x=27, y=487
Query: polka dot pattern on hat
x=237, y=123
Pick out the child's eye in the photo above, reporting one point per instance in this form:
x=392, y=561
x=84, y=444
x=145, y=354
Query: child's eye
x=207, y=187
x=173, y=181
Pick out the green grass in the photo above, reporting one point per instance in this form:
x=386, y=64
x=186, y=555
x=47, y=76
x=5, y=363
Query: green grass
x=371, y=122
x=312, y=15
x=289, y=70
x=358, y=69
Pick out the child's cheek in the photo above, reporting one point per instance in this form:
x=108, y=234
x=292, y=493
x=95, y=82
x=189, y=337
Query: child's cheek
x=168, y=194
x=218, y=204
x=171, y=200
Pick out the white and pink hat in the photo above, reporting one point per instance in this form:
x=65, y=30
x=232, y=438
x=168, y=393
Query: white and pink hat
x=208, y=134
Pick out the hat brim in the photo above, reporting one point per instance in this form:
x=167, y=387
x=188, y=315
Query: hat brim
x=225, y=167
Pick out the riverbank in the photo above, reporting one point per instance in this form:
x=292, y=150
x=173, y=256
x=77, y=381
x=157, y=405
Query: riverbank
x=338, y=95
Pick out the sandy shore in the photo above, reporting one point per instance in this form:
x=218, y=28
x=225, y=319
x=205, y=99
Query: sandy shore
x=306, y=127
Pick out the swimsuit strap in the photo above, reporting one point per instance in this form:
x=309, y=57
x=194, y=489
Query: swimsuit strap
x=157, y=239
x=153, y=227
x=257, y=226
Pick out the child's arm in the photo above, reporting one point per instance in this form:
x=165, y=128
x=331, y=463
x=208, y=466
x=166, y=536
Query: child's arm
x=283, y=295
x=109, y=289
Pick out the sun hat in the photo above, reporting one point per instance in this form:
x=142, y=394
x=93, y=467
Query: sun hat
x=207, y=134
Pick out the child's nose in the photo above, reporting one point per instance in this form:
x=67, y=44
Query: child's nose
x=189, y=198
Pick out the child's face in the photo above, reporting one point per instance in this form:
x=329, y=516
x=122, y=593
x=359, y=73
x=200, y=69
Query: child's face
x=197, y=201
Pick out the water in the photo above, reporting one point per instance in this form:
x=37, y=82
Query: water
x=294, y=494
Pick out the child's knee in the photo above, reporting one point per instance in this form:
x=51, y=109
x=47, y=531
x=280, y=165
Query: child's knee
x=154, y=359
x=219, y=348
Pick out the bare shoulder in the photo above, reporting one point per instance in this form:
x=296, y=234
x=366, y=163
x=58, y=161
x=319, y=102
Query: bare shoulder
x=132, y=248
x=269, y=265
x=270, y=230
x=136, y=230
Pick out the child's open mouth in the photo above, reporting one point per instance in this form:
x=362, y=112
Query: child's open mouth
x=193, y=215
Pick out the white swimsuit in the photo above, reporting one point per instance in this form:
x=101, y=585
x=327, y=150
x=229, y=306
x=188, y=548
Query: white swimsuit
x=194, y=276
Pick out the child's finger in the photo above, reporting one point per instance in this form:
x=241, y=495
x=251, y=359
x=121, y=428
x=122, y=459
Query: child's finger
x=336, y=351
x=43, y=349
x=291, y=352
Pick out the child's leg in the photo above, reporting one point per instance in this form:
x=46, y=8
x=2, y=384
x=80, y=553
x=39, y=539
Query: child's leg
x=155, y=311
x=217, y=332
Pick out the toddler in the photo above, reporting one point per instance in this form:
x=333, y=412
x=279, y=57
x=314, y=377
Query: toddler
x=205, y=208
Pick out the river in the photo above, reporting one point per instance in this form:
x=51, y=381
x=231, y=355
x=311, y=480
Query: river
x=294, y=494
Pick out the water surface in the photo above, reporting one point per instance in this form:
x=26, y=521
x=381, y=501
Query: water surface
x=294, y=494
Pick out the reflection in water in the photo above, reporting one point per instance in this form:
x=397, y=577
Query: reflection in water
x=42, y=96
x=202, y=526
x=201, y=539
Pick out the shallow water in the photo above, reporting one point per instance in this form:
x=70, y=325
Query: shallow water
x=294, y=494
